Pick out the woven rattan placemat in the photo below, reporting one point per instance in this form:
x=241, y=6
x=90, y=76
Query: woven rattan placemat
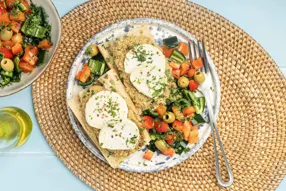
x=252, y=116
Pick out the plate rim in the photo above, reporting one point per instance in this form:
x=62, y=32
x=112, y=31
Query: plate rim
x=80, y=131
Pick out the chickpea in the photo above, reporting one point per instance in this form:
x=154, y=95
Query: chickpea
x=17, y=38
x=169, y=117
x=7, y=65
x=199, y=77
x=92, y=50
x=6, y=33
x=183, y=82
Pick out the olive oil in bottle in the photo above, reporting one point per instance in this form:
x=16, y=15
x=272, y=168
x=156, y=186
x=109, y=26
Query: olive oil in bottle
x=15, y=127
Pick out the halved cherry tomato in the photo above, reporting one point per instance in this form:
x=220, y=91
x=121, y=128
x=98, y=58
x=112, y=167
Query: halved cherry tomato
x=193, y=85
x=183, y=48
x=26, y=67
x=147, y=122
x=167, y=52
x=191, y=72
x=174, y=65
x=2, y=8
x=148, y=155
x=197, y=64
x=8, y=44
x=184, y=68
x=178, y=125
x=6, y=52
x=169, y=152
x=188, y=111
x=176, y=73
x=170, y=139
x=161, y=127
x=45, y=44
x=161, y=109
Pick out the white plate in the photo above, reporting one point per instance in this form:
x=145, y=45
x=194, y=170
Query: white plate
x=160, y=30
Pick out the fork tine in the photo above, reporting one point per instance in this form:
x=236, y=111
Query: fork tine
x=205, y=59
x=195, y=50
x=191, y=56
x=201, y=55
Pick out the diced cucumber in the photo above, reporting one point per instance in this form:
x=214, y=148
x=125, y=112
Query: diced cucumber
x=171, y=42
x=201, y=104
x=5, y=81
x=150, y=113
x=7, y=74
x=16, y=62
x=198, y=119
x=177, y=57
x=22, y=7
x=90, y=81
x=41, y=56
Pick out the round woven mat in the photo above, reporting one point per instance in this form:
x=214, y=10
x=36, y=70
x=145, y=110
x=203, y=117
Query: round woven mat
x=252, y=116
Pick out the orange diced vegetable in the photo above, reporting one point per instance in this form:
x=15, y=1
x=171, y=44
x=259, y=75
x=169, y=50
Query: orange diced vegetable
x=193, y=137
x=4, y=19
x=178, y=125
x=195, y=127
x=174, y=65
x=191, y=72
x=26, y=67
x=183, y=48
x=30, y=55
x=15, y=26
x=169, y=152
x=187, y=129
x=161, y=109
x=17, y=16
x=148, y=155
x=45, y=44
x=167, y=52
x=176, y=73
x=188, y=111
x=17, y=49
x=84, y=74
x=197, y=64
x=148, y=122
x=184, y=68
x=33, y=49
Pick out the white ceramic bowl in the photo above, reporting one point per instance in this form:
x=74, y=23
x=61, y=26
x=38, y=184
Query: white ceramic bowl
x=29, y=78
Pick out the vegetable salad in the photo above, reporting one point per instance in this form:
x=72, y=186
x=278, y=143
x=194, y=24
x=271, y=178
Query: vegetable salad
x=25, y=38
x=175, y=125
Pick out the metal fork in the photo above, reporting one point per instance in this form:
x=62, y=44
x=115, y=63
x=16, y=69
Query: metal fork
x=196, y=50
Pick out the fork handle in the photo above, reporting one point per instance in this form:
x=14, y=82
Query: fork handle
x=216, y=133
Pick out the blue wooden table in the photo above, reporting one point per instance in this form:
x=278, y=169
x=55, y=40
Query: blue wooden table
x=35, y=166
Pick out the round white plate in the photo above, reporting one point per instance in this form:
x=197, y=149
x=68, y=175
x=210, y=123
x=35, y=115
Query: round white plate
x=160, y=30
